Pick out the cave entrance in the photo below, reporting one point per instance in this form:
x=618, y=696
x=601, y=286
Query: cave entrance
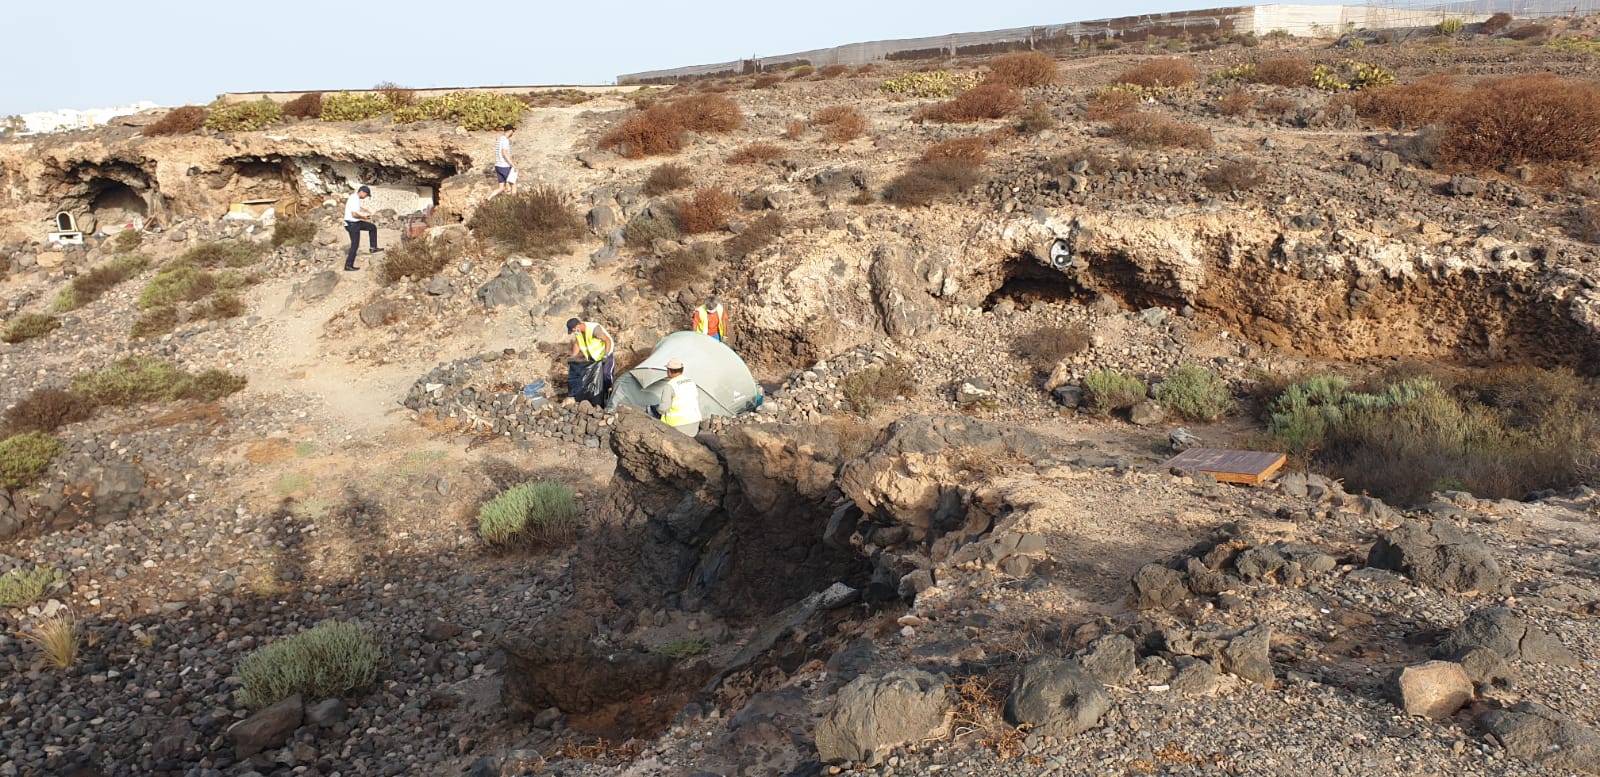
x=115, y=206
x=1025, y=283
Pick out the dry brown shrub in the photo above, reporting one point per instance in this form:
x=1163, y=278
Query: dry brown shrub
x=1527, y=118
x=178, y=121
x=840, y=123
x=1037, y=118
x=833, y=71
x=1108, y=105
x=1529, y=32
x=708, y=113
x=794, y=129
x=1496, y=23
x=979, y=712
x=306, y=106
x=1586, y=223
x=650, y=132
x=1234, y=176
x=756, y=235
x=984, y=101
x=397, y=95
x=1050, y=344
x=925, y=182
x=756, y=153
x=668, y=177
x=973, y=150
x=45, y=410
x=1023, y=69
x=1283, y=71
x=1428, y=101
x=766, y=81
x=706, y=210
x=1167, y=72
x=685, y=266
x=1235, y=103
x=1279, y=106
x=1153, y=130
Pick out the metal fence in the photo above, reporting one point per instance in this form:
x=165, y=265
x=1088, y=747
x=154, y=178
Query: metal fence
x=1432, y=11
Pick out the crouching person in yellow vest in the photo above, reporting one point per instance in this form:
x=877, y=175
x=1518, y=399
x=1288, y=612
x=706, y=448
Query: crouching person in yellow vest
x=711, y=320
x=593, y=342
x=679, y=407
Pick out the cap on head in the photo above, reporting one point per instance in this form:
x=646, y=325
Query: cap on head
x=510, y=128
x=675, y=365
x=572, y=323
x=365, y=190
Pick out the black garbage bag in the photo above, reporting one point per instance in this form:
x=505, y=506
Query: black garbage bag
x=586, y=381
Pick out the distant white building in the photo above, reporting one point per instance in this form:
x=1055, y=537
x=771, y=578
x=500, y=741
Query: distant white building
x=64, y=120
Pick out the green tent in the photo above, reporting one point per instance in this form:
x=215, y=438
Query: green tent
x=726, y=386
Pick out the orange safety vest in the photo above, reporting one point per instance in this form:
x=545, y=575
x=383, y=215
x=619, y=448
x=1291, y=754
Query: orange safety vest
x=589, y=345
x=708, y=322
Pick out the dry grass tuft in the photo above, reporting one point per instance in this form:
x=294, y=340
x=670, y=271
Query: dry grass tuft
x=1166, y=73
x=685, y=266
x=1023, y=69
x=1235, y=103
x=757, y=153
x=924, y=183
x=1152, y=130
x=832, y=71
x=980, y=712
x=794, y=128
x=537, y=222
x=706, y=210
x=1050, y=344
x=57, y=638
x=1110, y=104
x=666, y=178
x=757, y=235
x=840, y=123
x=982, y=102
x=1283, y=71
x=972, y=150
x=1428, y=101
x=44, y=410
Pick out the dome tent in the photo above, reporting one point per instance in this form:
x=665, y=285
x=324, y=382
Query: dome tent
x=726, y=386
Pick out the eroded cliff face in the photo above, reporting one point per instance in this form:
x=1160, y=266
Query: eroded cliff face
x=116, y=177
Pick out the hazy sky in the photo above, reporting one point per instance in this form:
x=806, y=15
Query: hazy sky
x=96, y=53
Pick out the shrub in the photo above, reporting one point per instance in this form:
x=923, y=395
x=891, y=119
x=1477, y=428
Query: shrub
x=330, y=660
x=766, y=81
x=418, y=259
x=1527, y=118
x=127, y=240
x=397, y=95
x=1092, y=161
x=707, y=210
x=679, y=269
x=1496, y=23
x=474, y=111
x=668, y=177
x=971, y=150
x=1450, y=26
x=1050, y=344
x=1023, y=69
x=1108, y=104
x=868, y=388
x=141, y=379
x=794, y=128
x=756, y=153
x=27, y=326
x=45, y=410
x=536, y=222
x=1586, y=223
x=985, y=101
x=534, y=512
x=1283, y=71
x=220, y=254
x=646, y=229
x=936, y=83
x=293, y=232
x=56, y=637
x=1156, y=131
x=24, y=458
x=21, y=587
x=840, y=123
x=659, y=129
x=1037, y=118
x=1233, y=176
x=1165, y=73
x=347, y=106
x=177, y=282
x=178, y=121
x=1529, y=32
x=1427, y=101
x=832, y=71
x=1195, y=393
x=154, y=322
x=222, y=305
x=1235, y=103
x=306, y=106
x=801, y=71
x=1108, y=390
x=757, y=235
x=925, y=182
x=244, y=117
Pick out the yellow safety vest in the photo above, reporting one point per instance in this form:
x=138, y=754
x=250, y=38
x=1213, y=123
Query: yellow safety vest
x=685, y=403
x=589, y=345
x=702, y=320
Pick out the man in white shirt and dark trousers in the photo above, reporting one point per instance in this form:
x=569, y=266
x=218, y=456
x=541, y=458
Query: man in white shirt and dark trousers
x=358, y=219
x=503, y=166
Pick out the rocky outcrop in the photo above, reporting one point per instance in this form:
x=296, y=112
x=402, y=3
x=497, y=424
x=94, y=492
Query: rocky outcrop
x=906, y=310
x=1537, y=733
x=1437, y=553
x=1056, y=697
x=873, y=715
x=1507, y=635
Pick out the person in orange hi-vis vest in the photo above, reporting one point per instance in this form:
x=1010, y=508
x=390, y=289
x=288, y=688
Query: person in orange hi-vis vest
x=710, y=319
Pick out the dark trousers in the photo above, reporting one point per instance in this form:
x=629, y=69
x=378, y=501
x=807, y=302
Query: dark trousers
x=355, y=228
x=609, y=370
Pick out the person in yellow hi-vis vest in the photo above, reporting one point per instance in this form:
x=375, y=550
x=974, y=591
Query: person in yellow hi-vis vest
x=591, y=341
x=711, y=320
x=679, y=407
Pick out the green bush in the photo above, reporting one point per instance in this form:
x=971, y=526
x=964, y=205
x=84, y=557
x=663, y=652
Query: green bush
x=474, y=111
x=127, y=240
x=536, y=222
x=1450, y=26
x=1108, y=390
x=24, y=458
x=645, y=229
x=346, y=106
x=21, y=587
x=1195, y=393
x=538, y=512
x=681, y=648
x=244, y=117
x=28, y=326
x=418, y=259
x=330, y=660
x=937, y=83
x=90, y=286
x=293, y=232
x=140, y=379
x=865, y=390
x=177, y=282
x=219, y=254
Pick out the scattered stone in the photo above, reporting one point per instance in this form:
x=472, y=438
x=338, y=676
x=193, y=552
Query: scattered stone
x=327, y=712
x=873, y=715
x=1056, y=697
x=1157, y=587
x=1507, y=635
x=1147, y=413
x=513, y=286
x=317, y=286
x=1182, y=439
x=380, y=312
x=1437, y=553
x=1433, y=689
x=1537, y=733
x=973, y=392
x=268, y=728
x=1110, y=659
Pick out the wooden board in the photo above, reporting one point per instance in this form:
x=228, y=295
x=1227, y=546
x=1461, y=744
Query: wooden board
x=1250, y=467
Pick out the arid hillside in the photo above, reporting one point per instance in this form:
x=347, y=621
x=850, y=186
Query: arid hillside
x=260, y=515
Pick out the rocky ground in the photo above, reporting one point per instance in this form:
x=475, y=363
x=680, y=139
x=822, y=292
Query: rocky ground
x=887, y=592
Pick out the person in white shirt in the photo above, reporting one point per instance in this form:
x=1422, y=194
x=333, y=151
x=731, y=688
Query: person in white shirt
x=503, y=166
x=358, y=219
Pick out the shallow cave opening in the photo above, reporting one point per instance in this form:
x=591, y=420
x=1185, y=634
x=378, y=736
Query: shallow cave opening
x=1024, y=282
x=116, y=204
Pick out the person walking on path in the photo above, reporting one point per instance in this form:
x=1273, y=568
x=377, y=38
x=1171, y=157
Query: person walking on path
x=504, y=168
x=710, y=319
x=679, y=407
x=592, y=342
x=358, y=219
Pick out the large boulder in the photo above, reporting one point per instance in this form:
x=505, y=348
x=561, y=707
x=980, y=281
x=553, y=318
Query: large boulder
x=906, y=309
x=1433, y=689
x=317, y=287
x=1540, y=734
x=667, y=477
x=1156, y=587
x=1057, y=697
x=873, y=715
x=1506, y=634
x=1437, y=553
x=513, y=286
x=268, y=728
